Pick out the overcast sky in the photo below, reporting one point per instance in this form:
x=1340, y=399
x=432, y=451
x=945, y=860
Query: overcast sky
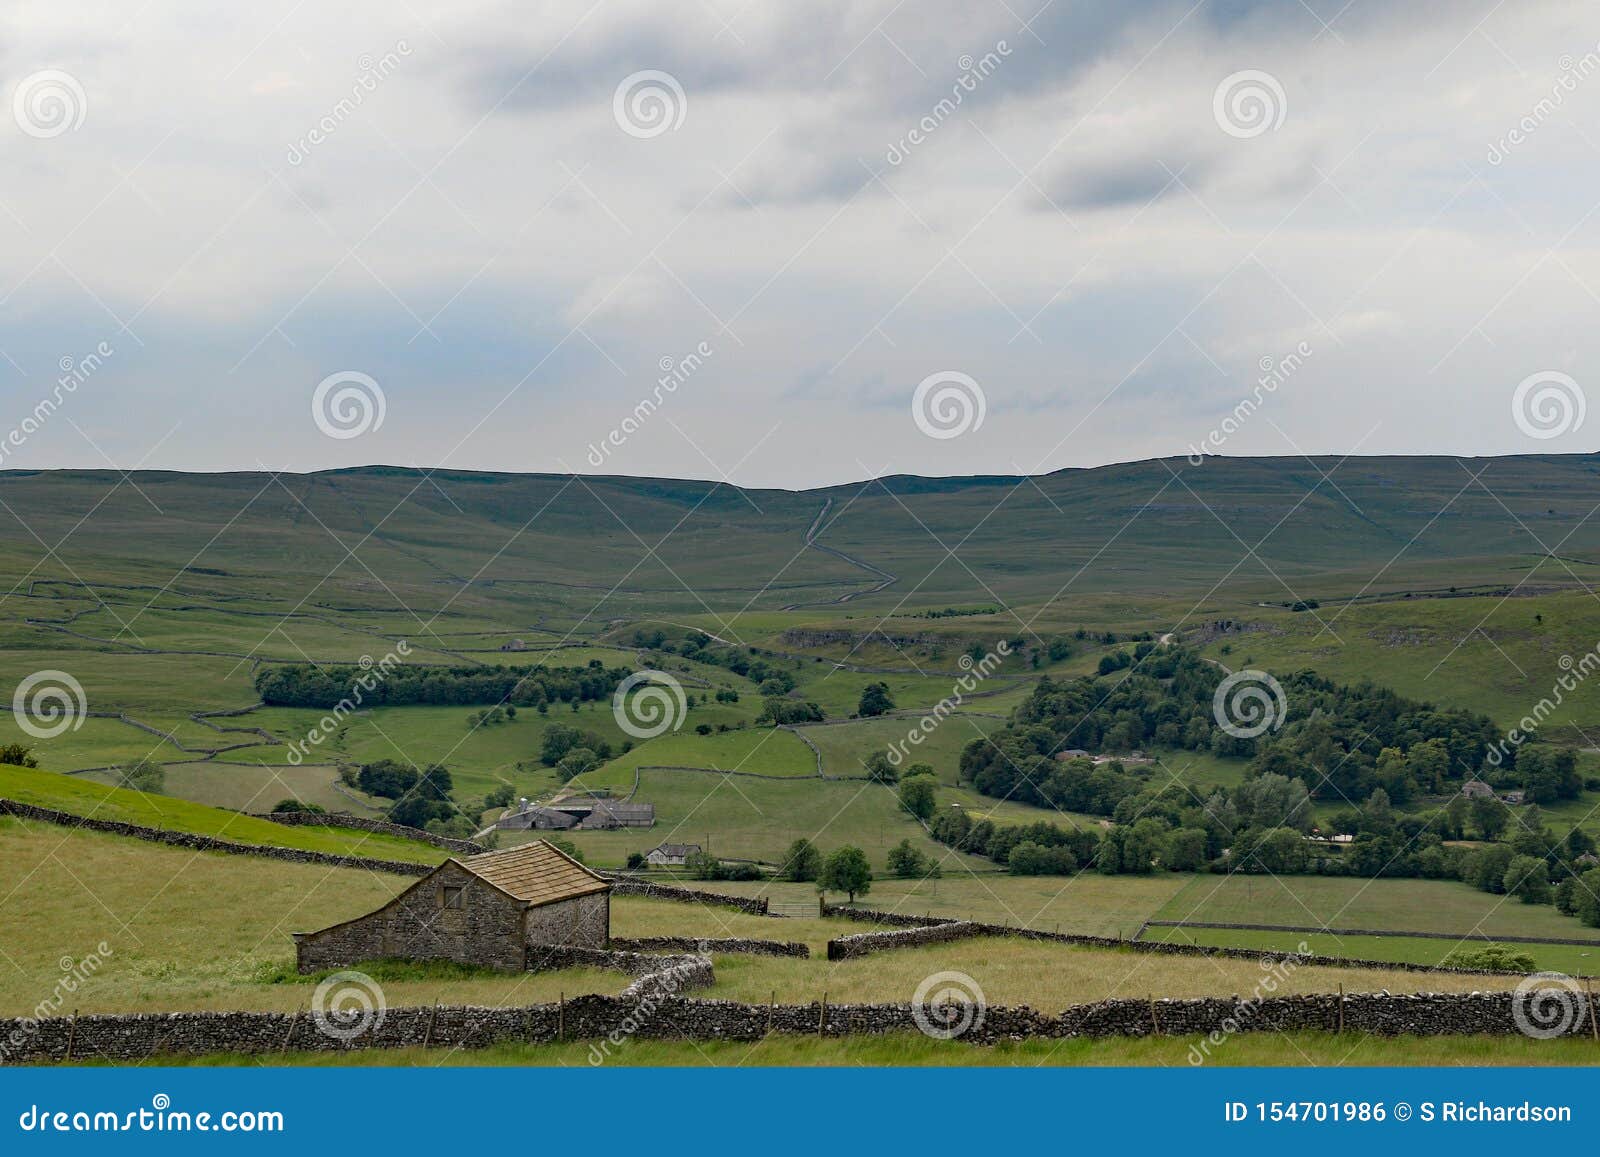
x=1089, y=224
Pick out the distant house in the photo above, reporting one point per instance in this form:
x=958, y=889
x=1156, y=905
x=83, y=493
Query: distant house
x=1514, y=797
x=1072, y=753
x=514, y=645
x=490, y=910
x=671, y=855
x=1477, y=789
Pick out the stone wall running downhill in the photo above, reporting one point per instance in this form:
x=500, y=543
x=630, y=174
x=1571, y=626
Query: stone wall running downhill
x=649, y=1009
x=931, y=923
x=625, y=885
x=704, y=945
x=381, y=827
x=208, y=843
x=865, y=943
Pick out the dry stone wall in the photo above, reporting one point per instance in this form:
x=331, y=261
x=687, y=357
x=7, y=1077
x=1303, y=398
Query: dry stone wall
x=866, y=943
x=207, y=843
x=644, y=1012
x=703, y=945
x=622, y=885
x=381, y=827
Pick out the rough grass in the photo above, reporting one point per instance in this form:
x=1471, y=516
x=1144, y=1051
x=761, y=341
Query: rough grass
x=1255, y=1049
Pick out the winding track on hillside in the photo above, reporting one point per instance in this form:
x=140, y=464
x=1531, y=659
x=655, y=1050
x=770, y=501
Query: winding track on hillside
x=885, y=578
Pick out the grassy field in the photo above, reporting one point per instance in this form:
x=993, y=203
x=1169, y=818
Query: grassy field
x=1249, y=1049
x=66, y=893
x=1335, y=902
x=98, y=801
x=1572, y=960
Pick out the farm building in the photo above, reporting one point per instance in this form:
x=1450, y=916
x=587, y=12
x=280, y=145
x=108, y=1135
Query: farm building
x=486, y=910
x=533, y=817
x=1477, y=789
x=587, y=814
x=670, y=855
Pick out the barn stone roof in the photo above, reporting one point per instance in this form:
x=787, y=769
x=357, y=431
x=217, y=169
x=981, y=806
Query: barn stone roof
x=537, y=872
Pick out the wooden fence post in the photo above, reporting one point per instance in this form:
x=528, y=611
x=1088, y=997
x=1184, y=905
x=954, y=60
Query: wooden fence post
x=427, y=1036
x=1341, y=1006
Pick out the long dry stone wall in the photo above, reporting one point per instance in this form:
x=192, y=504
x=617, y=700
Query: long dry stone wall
x=931, y=923
x=644, y=1012
x=381, y=827
x=208, y=843
x=703, y=945
x=1576, y=941
x=865, y=943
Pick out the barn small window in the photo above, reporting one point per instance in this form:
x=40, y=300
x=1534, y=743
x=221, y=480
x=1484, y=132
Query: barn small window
x=451, y=897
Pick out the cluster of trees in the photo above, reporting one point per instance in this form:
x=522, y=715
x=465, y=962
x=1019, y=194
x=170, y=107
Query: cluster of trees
x=421, y=795
x=705, y=866
x=17, y=755
x=780, y=711
x=303, y=685
x=1344, y=741
x=574, y=750
x=492, y=717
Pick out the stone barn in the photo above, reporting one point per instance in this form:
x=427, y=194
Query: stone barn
x=486, y=910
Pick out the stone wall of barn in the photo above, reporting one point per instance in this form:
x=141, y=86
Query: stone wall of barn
x=584, y=922
x=485, y=930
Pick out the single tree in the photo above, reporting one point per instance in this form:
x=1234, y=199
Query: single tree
x=847, y=871
x=917, y=796
x=875, y=700
x=802, y=863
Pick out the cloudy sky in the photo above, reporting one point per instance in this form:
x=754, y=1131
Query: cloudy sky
x=487, y=226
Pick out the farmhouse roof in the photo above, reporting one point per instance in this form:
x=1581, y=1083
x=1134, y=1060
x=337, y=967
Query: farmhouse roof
x=537, y=872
